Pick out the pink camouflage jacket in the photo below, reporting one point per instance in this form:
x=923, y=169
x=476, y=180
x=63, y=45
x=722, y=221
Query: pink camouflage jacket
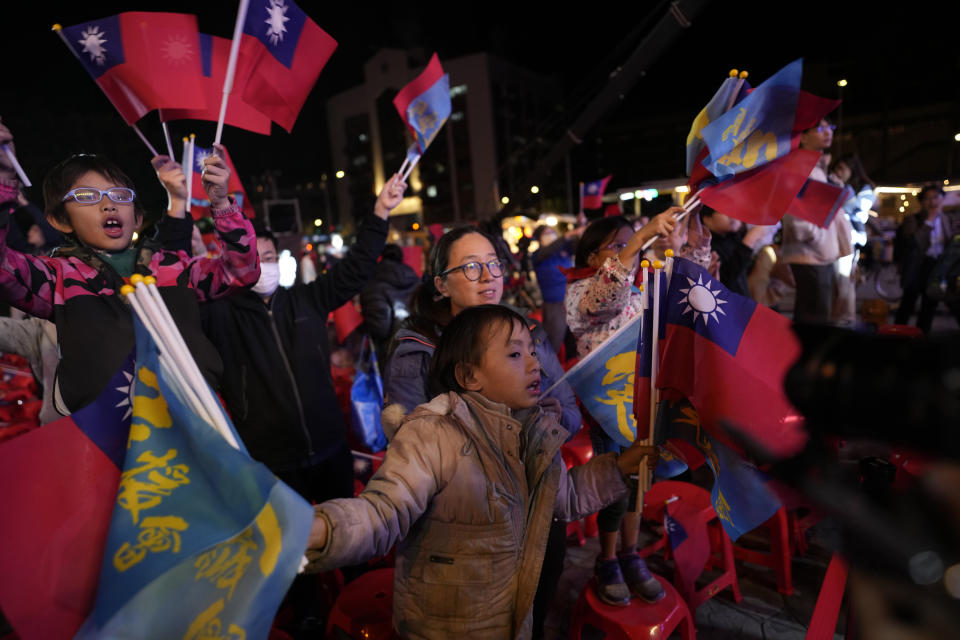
x=79, y=292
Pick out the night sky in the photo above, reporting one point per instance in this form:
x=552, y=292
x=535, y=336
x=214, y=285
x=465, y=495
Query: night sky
x=891, y=59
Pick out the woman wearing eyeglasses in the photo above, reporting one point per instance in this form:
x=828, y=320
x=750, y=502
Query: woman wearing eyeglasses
x=93, y=203
x=464, y=271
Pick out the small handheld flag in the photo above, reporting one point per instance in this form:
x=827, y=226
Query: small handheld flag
x=424, y=104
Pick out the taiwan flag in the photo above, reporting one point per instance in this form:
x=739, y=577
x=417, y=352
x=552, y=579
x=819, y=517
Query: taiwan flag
x=591, y=193
x=286, y=51
x=142, y=61
x=214, y=55
x=729, y=356
x=58, y=484
x=424, y=104
x=199, y=205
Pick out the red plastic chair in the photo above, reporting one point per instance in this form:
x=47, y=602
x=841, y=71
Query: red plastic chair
x=721, y=549
x=905, y=330
x=785, y=530
x=594, y=619
x=364, y=609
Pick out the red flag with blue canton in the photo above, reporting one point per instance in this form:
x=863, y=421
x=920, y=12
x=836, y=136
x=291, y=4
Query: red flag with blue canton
x=200, y=206
x=57, y=488
x=142, y=61
x=688, y=538
x=214, y=56
x=424, y=104
x=729, y=356
x=818, y=202
x=591, y=193
x=287, y=52
x=644, y=364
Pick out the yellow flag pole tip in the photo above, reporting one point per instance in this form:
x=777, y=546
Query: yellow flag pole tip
x=668, y=253
x=640, y=287
x=743, y=75
x=126, y=289
x=57, y=27
x=150, y=280
x=186, y=139
x=733, y=73
x=136, y=278
x=657, y=264
x=192, y=136
x=645, y=264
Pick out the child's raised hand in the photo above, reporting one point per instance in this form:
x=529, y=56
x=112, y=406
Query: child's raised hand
x=661, y=224
x=390, y=196
x=171, y=176
x=216, y=177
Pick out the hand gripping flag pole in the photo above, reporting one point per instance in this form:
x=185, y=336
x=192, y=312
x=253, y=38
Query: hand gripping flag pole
x=688, y=206
x=231, y=66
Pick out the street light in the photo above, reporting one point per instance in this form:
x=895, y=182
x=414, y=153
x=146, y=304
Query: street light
x=317, y=222
x=534, y=189
x=504, y=200
x=340, y=174
x=842, y=82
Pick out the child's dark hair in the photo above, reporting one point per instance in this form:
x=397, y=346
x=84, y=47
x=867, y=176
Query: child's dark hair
x=465, y=340
x=429, y=310
x=595, y=235
x=63, y=176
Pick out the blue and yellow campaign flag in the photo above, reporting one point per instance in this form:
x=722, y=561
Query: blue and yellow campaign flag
x=758, y=129
x=740, y=494
x=730, y=92
x=425, y=104
x=604, y=383
x=203, y=541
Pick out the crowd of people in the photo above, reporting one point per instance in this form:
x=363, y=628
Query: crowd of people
x=472, y=490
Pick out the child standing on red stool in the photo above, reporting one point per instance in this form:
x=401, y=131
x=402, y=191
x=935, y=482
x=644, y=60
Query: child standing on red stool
x=600, y=299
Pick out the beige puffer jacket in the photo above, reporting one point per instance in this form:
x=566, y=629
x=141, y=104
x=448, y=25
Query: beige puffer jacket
x=469, y=493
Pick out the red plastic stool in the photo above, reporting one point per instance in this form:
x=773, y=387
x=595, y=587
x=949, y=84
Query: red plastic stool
x=779, y=557
x=594, y=619
x=707, y=524
x=364, y=609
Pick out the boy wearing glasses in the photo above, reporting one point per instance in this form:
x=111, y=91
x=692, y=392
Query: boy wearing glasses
x=93, y=203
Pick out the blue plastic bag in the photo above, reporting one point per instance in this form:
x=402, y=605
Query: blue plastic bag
x=366, y=400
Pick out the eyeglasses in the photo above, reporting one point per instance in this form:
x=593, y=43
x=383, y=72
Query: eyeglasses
x=823, y=128
x=613, y=246
x=89, y=195
x=473, y=270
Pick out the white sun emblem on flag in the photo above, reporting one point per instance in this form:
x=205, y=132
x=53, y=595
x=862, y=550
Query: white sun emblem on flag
x=92, y=41
x=176, y=50
x=127, y=392
x=198, y=159
x=702, y=301
x=277, y=12
x=592, y=188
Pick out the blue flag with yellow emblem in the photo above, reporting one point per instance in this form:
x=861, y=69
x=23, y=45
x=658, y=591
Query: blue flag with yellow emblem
x=604, y=383
x=203, y=541
x=732, y=90
x=740, y=494
x=758, y=129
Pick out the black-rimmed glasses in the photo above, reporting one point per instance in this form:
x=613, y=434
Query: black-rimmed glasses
x=473, y=270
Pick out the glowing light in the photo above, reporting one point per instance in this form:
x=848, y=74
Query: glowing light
x=551, y=221
x=842, y=83
x=946, y=182
x=504, y=200
x=903, y=196
x=901, y=209
x=309, y=246
x=340, y=174
x=415, y=226
x=534, y=189
x=317, y=222
x=135, y=236
x=957, y=137
x=336, y=241
x=288, y=269
x=626, y=196
x=682, y=189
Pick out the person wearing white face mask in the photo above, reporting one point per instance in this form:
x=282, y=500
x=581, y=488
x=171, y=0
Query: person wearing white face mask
x=273, y=341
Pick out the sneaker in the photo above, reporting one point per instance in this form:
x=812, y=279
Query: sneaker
x=611, y=589
x=639, y=579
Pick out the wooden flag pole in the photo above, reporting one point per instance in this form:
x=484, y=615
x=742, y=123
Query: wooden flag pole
x=231, y=66
x=16, y=166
